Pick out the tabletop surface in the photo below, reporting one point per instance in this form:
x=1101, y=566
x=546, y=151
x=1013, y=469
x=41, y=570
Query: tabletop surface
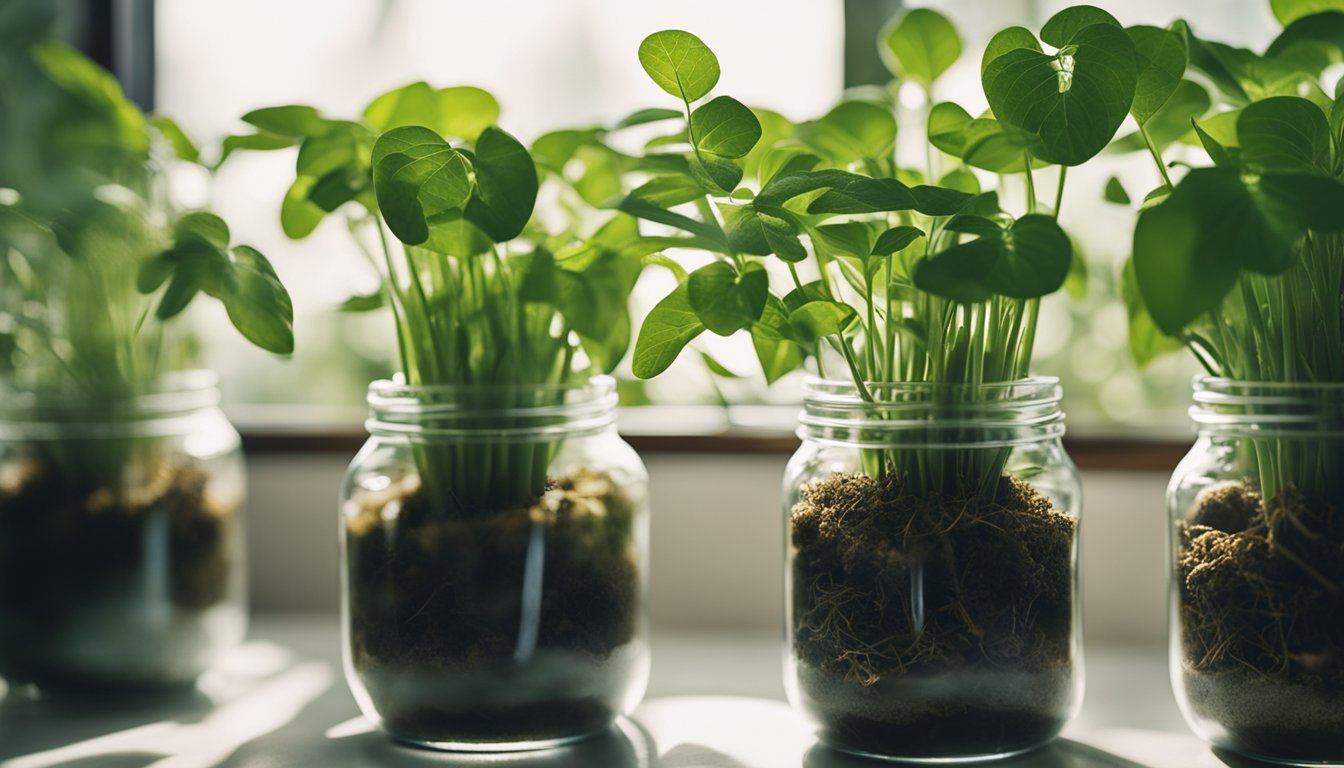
x=715, y=701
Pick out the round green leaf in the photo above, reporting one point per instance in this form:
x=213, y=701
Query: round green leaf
x=947, y=127
x=959, y=273
x=506, y=186
x=667, y=329
x=1285, y=134
x=920, y=45
x=725, y=127
x=257, y=303
x=816, y=319
x=416, y=177
x=1072, y=101
x=1061, y=28
x=852, y=131
x=465, y=111
x=1034, y=260
x=680, y=63
x=724, y=301
x=1163, y=55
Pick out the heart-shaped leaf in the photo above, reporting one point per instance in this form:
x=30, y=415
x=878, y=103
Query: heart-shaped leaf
x=505, y=188
x=680, y=63
x=1034, y=260
x=1284, y=134
x=725, y=301
x=920, y=45
x=947, y=127
x=1072, y=101
x=418, y=176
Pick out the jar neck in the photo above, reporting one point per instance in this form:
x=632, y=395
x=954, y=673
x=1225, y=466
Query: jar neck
x=504, y=414
x=932, y=415
x=157, y=409
x=1267, y=409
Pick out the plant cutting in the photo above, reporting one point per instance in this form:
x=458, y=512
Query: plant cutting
x=932, y=511
x=1241, y=260
x=120, y=482
x=494, y=526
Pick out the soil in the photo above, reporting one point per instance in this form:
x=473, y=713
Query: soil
x=931, y=627
x=111, y=589
x=508, y=626
x=1262, y=621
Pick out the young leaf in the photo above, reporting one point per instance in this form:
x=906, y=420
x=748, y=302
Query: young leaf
x=1171, y=122
x=1072, y=101
x=465, y=111
x=1115, y=192
x=851, y=131
x=1147, y=342
x=1284, y=133
x=959, y=272
x=896, y=239
x=725, y=127
x=257, y=303
x=367, y=302
x=294, y=121
x=724, y=301
x=506, y=186
x=962, y=180
x=1163, y=55
x=299, y=216
x=680, y=63
x=667, y=329
x=183, y=147
x=645, y=116
x=816, y=319
x=1288, y=11
x=995, y=147
x=417, y=176
x=947, y=127
x=1034, y=260
x=718, y=175
x=771, y=338
x=920, y=45
x=413, y=104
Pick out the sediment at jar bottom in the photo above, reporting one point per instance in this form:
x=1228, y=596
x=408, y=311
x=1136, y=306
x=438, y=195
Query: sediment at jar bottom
x=927, y=627
x=115, y=588
x=1261, y=608
x=518, y=625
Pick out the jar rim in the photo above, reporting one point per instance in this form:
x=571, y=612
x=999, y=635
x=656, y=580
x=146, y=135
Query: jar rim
x=498, y=414
x=1267, y=409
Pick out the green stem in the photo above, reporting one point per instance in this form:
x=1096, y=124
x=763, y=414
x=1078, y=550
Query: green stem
x=1157, y=156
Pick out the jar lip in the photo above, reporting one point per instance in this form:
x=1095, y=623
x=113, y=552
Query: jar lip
x=1031, y=390
x=1267, y=409
x=1204, y=383
x=597, y=387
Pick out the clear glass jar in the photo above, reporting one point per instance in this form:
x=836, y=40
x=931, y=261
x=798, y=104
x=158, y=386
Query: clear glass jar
x=1257, y=597
x=495, y=564
x=931, y=573
x=121, y=541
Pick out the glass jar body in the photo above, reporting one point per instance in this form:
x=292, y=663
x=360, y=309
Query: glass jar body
x=121, y=540
x=494, y=577
x=1257, y=587
x=932, y=576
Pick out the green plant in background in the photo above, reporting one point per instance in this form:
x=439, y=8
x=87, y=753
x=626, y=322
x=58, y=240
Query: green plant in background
x=1242, y=261
x=94, y=259
x=488, y=303
x=905, y=282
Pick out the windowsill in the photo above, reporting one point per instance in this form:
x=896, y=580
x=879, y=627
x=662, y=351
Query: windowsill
x=759, y=430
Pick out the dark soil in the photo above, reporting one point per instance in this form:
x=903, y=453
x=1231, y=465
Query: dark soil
x=1262, y=621
x=449, y=644
x=930, y=627
x=76, y=563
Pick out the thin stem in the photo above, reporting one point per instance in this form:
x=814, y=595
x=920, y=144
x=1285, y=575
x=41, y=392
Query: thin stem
x=1157, y=156
x=1059, y=188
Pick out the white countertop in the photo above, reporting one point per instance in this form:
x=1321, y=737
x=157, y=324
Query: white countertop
x=715, y=701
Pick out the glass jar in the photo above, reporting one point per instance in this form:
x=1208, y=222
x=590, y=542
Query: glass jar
x=1257, y=597
x=931, y=573
x=495, y=563
x=121, y=543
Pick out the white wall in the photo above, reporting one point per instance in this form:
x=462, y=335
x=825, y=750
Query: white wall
x=717, y=542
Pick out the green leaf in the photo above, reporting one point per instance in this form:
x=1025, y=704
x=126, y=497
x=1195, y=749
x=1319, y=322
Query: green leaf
x=1288, y=11
x=1006, y=40
x=725, y=127
x=992, y=146
x=1061, y=29
x=1171, y=122
x=1115, y=192
x=680, y=63
x=412, y=104
x=947, y=127
x=961, y=180
x=257, y=303
x=782, y=238
x=938, y=201
x=852, y=131
x=920, y=45
x=298, y=215
x=1072, y=101
x=1162, y=55
x=770, y=337
x=718, y=175
x=645, y=210
x=959, y=273
x=203, y=226
x=725, y=301
x=775, y=128
x=645, y=116
x=1034, y=259
x=1286, y=134
x=1147, y=342
x=667, y=329
x=465, y=111
x=506, y=186
x=364, y=303
x=816, y=319
x=293, y=121
x=183, y=147
x=668, y=191
x=255, y=141
x=896, y=239
x=417, y=176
